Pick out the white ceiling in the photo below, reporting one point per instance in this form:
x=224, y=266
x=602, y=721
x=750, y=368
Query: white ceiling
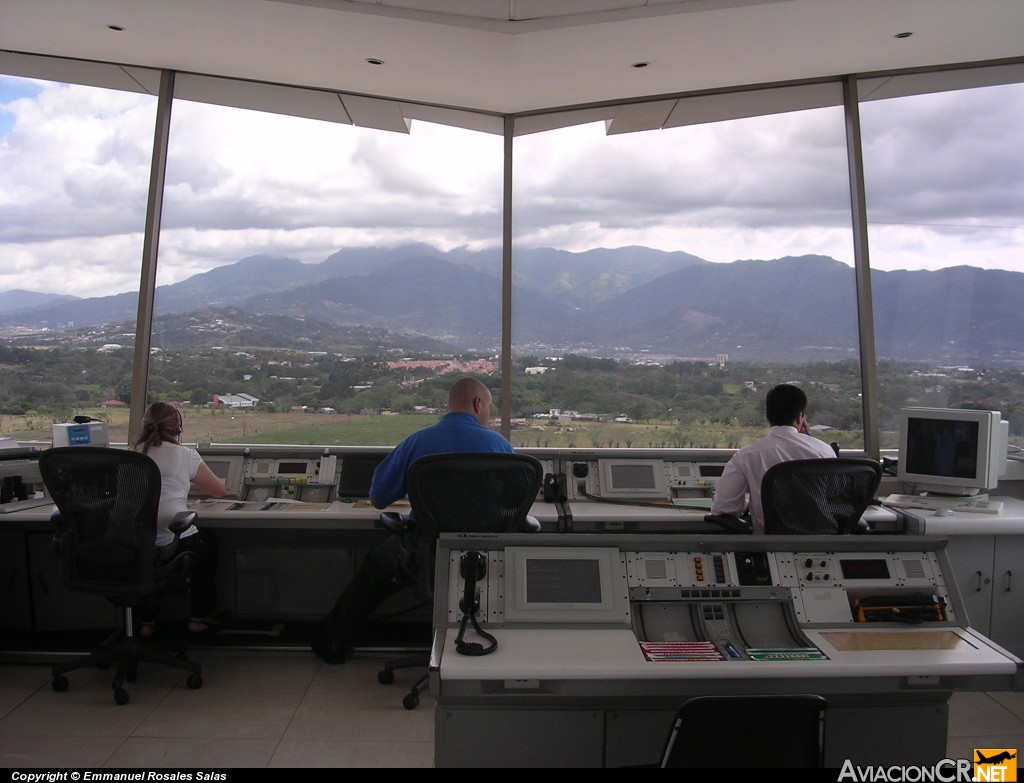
x=511, y=56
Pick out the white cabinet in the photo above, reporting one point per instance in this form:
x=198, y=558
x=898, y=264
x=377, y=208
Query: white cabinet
x=971, y=560
x=989, y=573
x=1008, y=594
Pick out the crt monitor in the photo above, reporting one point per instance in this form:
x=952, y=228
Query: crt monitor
x=951, y=451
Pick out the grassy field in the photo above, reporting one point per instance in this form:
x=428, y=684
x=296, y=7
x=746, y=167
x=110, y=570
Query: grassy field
x=293, y=428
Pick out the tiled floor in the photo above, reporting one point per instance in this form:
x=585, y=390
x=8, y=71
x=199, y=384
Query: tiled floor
x=286, y=709
x=255, y=709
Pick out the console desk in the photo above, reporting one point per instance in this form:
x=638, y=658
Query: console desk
x=592, y=661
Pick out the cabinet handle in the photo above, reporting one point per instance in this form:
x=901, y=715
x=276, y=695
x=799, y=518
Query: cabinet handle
x=978, y=588
x=1009, y=581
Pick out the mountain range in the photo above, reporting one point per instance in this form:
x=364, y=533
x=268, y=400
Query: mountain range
x=609, y=302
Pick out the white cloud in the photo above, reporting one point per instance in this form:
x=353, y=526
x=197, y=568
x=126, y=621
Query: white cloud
x=945, y=186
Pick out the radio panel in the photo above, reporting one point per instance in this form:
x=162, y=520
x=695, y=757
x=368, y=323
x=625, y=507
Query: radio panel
x=628, y=478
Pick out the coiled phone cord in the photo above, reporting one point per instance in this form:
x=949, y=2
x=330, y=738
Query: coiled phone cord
x=474, y=648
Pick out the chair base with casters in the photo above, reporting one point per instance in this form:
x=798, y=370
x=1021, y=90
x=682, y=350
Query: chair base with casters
x=386, y=676
x=399, y=523
x=126, y=650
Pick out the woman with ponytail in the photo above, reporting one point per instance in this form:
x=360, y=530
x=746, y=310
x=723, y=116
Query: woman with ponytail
x=181, y=467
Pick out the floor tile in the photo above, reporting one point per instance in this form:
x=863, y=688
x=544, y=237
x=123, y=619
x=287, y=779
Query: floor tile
x=192, y=753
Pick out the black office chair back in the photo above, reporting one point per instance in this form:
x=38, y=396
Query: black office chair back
x=107, y=502
x=818, y=496
x=747, y=731
x=475, y=492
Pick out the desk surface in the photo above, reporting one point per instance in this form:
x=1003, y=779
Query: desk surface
x=564, y=654
x=1008, y=522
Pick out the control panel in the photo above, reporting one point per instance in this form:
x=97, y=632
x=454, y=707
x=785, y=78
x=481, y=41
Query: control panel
x=312, y=480
x=756, y=589
x=640, y=479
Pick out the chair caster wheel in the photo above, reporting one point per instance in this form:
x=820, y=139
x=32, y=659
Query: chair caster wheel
x=385, y=676
x=194, y=681
x=410, y=701
x=60, y=683
x=121, y=696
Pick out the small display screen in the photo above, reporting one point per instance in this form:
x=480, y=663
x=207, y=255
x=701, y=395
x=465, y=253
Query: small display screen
x=626, y=476
x=294, y=468
x=711, y=470
x=561, y=581
x=357, y=475
x=941, y=447
x=80, y=435
x=864, y=569
x=219, y=468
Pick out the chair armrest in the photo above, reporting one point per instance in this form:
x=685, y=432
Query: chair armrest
x=731, y=523
x=531, y=524
x=61, y=533
x=394, y=521
x=182, y=521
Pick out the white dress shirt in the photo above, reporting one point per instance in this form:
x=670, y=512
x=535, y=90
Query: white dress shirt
x=739, y=487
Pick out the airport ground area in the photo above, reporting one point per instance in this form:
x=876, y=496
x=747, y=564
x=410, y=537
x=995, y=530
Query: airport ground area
x=567, y=402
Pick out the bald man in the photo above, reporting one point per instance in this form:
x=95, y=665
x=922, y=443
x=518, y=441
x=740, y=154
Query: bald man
x=463, y=428
x=383, y=571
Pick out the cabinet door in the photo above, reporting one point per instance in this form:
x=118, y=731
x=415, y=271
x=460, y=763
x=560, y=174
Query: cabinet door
x=1007, y=627
x=15, y=601
x=971, y=559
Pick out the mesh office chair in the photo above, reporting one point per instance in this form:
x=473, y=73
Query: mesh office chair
x=106, y=519
x=747, y=731
x=819, y=496
x=476, y=492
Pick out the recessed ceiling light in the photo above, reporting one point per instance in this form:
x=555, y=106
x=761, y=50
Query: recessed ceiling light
x=640, y=65
x=903, y=35
x=116, y=28
x=374, y=61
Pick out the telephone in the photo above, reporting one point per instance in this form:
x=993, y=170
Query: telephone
x=472, y=568
x=555, y=488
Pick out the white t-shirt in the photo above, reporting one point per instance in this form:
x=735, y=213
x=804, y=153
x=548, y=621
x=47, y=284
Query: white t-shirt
x=743, y=473
x=178, y=466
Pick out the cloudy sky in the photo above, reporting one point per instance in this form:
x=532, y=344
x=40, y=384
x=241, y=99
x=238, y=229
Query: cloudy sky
x=945, y=186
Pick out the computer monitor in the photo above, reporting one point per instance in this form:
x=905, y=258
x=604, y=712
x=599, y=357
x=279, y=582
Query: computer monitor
x=357, y=475
x=950, y=451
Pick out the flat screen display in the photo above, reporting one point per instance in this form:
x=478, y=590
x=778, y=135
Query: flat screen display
x=357, y=474
x=565, y=585
x=874, y=568
x=560, y=580
x=630, y=479
x=219, y=467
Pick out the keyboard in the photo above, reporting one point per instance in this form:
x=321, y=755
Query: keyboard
x=973, y=505
x=23, y=505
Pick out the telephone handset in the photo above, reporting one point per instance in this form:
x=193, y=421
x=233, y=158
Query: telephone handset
x=472, y=568
x=554, y=488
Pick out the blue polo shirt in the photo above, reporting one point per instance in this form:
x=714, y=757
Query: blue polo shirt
x=456, y=432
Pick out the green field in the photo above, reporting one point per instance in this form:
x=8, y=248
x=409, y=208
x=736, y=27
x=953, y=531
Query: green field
x=300, y=428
